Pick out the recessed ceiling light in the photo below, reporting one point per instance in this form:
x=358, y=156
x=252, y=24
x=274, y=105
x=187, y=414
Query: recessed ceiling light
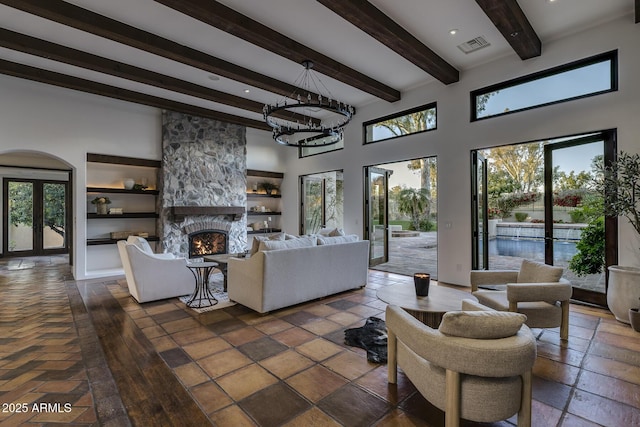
x=551, y=1
x=247, y=91
x=453, y=31
x=214, y=77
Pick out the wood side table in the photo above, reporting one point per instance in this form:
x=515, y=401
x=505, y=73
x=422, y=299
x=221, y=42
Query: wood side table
x=430, y=309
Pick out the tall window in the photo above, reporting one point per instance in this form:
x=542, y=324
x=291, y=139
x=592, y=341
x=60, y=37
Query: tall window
x=420, y=119
x=587, y=77
x=322, y=201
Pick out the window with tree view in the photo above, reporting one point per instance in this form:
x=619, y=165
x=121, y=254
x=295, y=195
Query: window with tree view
x=417, y=120
x=587, y=77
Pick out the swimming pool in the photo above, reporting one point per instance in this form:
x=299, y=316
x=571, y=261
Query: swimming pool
x=531, y=249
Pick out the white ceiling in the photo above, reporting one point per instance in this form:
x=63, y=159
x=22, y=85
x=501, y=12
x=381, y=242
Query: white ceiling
x=311, y=24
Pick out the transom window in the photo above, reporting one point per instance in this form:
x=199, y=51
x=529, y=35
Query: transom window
x=579, y=79
x=420, y=119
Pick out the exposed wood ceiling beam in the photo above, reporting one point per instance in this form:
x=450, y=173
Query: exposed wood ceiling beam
x=374, y=22
x=56, y=52
x=88, y=86
x=226, y=19
x=85, y=20
x=511, y=21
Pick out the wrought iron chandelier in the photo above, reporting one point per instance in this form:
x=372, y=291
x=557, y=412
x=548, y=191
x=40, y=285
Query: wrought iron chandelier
x=309, y=117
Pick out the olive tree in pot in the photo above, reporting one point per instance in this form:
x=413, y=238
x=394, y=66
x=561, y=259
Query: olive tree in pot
x=621, y=180
x=634, y=318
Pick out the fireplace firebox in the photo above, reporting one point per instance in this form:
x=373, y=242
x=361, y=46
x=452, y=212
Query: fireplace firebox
x=208, y=242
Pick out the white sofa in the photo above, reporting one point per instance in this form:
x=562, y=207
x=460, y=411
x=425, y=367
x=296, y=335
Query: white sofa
x=274, y=278
x=150, y=276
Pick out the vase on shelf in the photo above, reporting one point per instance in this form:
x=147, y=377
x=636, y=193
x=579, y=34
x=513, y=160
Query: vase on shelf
x=128, y=183
x=101, y=208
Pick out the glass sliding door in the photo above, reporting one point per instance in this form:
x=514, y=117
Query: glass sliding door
x=36, y=217
x=549, y=211
x=377, y=214
x=479, y=213
x=576, y=210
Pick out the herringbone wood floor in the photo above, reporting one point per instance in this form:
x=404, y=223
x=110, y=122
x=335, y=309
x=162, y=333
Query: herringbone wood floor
x=116, y=362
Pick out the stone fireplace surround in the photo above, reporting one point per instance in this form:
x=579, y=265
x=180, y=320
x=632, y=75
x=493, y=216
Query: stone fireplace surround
x=202, y=181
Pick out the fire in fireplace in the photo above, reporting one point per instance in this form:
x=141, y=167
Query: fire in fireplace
x=208, y=242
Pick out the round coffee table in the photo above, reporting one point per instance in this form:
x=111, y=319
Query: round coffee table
x=430, y=309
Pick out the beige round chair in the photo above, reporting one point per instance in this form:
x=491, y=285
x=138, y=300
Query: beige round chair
x=476, y=366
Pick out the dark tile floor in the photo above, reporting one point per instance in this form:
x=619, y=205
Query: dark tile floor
x=116, y=362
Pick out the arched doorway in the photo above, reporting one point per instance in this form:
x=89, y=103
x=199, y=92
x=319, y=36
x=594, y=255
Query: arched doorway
x=36, y=204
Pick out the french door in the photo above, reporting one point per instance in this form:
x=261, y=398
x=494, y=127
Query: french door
x=35, y=217
x=377, y=214
x=479, y=209
x=567, y=166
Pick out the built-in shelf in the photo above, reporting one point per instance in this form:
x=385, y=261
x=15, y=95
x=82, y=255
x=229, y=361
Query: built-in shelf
x=108, y=241
x=106, y=175
x=265, y=174
x=271, y=196
x=263, y=213
x=123, y=215
x=265, y=231
x=120, y=191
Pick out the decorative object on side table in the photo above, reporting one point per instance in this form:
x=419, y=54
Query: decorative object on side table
x=422, y=282
x=101, y=204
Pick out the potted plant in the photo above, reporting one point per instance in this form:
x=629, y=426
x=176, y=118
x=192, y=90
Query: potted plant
x=634, y=318
x=268, y=187
x=621, y=180
x=101, y=204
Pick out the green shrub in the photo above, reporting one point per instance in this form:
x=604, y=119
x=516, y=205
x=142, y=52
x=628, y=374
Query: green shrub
x=521, y=216
x=427, y=225
x=577, y=216
x=590, y=256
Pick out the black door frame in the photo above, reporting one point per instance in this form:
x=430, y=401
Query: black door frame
x=38, y=216
x=611, y=223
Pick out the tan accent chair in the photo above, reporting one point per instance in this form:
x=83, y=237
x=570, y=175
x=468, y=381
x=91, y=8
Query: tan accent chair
x=536, y=290
x=476, y=365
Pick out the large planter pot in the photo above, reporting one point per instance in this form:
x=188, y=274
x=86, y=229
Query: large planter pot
x=624, y=291
x=634, y=318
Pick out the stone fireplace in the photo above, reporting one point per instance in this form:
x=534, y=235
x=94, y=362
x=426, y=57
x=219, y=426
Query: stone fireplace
x=202, y=186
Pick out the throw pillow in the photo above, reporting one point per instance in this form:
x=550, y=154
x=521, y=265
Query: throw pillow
x=537, y=272
x=322, y=240
x=302, y=242
x=481, y=324
x=337, y=232
x=257, y=239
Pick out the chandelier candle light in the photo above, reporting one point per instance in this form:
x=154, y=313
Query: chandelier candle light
x=315, y=120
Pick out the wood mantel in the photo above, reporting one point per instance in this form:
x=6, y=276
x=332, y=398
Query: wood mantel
x=179, y=212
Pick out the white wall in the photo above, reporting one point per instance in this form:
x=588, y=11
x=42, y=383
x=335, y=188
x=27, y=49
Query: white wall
x=67, y=125
x=455, y=137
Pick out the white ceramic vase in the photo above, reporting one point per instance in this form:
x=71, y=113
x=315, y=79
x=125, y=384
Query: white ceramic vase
x=128, y=183
x=624, y=291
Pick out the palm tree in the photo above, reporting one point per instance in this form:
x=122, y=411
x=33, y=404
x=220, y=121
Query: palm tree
x=413, y=202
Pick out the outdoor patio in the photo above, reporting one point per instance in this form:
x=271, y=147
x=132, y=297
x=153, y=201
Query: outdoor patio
x=409, y=255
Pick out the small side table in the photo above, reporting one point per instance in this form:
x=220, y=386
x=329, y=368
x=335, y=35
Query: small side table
x=202, y=296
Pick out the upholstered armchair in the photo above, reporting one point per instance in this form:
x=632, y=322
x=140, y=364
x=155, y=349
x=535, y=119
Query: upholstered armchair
x=476, y=365
x=150, y=276
x=536, y=290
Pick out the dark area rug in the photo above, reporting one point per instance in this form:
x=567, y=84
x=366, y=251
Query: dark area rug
x=371, y=337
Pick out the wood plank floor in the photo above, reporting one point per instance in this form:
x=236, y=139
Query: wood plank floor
x=120, y=363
